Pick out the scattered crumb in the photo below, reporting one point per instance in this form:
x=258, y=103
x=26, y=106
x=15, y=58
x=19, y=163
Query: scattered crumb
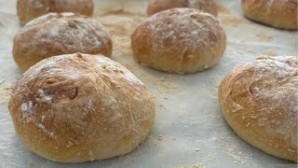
x=164, y=83
x=197, y=150
x=5, y=90
x=131, y=66
x=162, y=106
x=214, y=91
x=239, y=157
x=270, y=52
x=222, y=9
x=232, y=20
x=197, y=165
x=120, y=26
x=118, y=7
x=160, y=138
x=31, y=164
x=264, y=37
x=115, y=12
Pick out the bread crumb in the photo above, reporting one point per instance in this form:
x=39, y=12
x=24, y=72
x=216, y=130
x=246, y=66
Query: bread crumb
x=160, y=138
x=164, y=83
x=221, y=8
x=263, y=37
x=5, y=91
x=237, y=155
x=270, y=52
x=232, y=20
x=196, y=165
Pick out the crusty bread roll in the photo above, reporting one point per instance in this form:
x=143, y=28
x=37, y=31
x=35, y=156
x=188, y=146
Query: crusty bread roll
x=259, y=101
x=208, y=6
x=79, y=107
x=30, y=9
x=56, y=34
x=179, y=40
x=276, y=13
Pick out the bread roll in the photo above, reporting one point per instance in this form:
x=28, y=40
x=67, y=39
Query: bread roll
x=276, y=13
x=30, y=9
x=56, y=34
x=259, y=101
x=80, y=107
x=179, y=40
x=208, y=6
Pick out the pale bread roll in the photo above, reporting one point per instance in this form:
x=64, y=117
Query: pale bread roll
x=56, y=34
x=281, y=14
x=259, y=101
x=208, y=6
x=31, y=9
x=179, y=40
x=79, y=107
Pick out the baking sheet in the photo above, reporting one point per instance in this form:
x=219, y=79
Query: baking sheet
x=189, y=130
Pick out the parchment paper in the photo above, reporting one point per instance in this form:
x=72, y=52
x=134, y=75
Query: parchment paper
x=189, y=130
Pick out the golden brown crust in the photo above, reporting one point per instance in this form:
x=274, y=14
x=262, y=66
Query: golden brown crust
x=30, y=9
x=208, y=6
x=180, y=40
x=56, y=34
x=276, y=13
x=79, y=107
x=259, y=102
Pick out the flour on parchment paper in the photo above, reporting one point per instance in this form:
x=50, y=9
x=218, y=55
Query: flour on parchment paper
x=5, y=90
x=121, y=25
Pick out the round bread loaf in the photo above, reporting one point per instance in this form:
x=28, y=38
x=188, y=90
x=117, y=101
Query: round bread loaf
x=30, y=9
x=179, y=40
x=259, y=101
x=79, y=107
x=56, y=34
x=208, y=6
x=276, y=13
